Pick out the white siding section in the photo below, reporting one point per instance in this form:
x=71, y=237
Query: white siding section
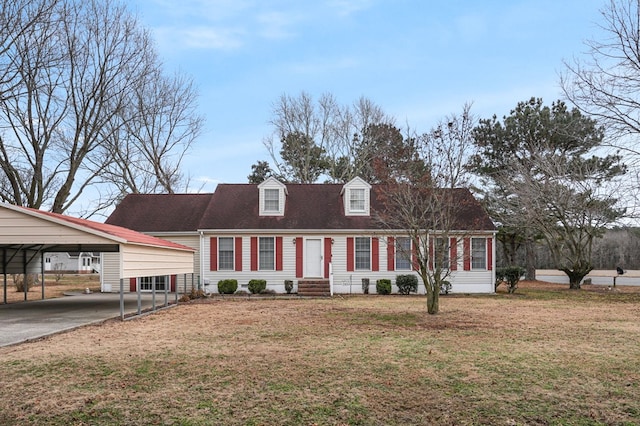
x=193, y=241
x=345, y=282
x=111, y=272
x=145, y=261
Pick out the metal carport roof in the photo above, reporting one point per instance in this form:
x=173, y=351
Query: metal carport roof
x=26, y=233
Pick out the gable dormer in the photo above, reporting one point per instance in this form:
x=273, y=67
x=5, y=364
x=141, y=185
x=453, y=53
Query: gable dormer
x=356, y=196
x=272, y=197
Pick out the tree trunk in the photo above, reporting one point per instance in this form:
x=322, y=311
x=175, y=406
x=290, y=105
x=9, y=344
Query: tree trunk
x=575, y=277
x=530, y=259
x=433, y=301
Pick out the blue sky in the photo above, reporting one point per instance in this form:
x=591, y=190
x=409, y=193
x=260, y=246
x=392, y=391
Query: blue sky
x=420, y=60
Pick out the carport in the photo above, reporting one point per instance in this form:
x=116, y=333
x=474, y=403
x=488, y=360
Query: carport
x=27, y=234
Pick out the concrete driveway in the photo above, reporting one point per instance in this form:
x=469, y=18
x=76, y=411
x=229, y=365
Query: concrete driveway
x=20, y=322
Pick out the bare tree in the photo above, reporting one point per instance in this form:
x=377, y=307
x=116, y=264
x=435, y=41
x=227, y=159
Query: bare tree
x=316, y=138
x=160, y=124
x=428, y=208
x=84, y=67
x=605, y=83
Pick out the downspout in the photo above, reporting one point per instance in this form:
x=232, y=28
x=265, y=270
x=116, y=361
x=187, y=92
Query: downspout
x=201, y=271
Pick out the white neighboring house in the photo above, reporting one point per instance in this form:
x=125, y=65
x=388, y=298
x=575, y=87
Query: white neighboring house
x=72, y=262
x=312, y=234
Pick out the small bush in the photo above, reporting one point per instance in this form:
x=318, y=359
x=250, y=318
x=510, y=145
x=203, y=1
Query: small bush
x=407, y=283
x=288, y=286
x=383, y=286
x=228, y=286
x=256, y=286
x=510, y=275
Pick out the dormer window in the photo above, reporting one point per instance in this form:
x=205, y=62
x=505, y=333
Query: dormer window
x=272, y=200
x=272, y=197
x=356, y=196
x=356, y=200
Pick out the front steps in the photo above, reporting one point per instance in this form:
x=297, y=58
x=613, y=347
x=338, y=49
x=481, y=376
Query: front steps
x=314, y=287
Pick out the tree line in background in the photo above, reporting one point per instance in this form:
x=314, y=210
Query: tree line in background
x=85, y=104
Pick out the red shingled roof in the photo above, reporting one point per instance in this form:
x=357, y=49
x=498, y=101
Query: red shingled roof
x=236, y=206
x=119, y=232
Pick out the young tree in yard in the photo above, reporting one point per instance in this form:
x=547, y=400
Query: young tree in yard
x=428, y=208
x=82, y=81
x=544, y=180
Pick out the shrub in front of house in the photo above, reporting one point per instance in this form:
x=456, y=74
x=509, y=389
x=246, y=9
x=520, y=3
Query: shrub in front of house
x=228, y=286
x=510, y=275
x=383, y=286
x=257, y=286
x=407, y=283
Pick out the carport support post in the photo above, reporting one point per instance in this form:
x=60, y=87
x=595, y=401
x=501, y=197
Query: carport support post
x=42, y=270
x=139, y=297
x=153, y=293
x=4, y=269
x=122, y=298
x=25, y=282
x=167, y=284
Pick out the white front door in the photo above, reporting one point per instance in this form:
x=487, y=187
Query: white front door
x=313, y=258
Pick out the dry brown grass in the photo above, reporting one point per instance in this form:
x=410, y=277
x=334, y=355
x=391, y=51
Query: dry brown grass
x=52, y=288
x=542, y=356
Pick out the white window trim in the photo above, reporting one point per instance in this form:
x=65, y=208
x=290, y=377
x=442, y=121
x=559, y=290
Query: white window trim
x=356, y=184
x=398, y=252
x=483, y=268
x=355, y=254
x=274, y=255
x=274, y=184
x=233, y=256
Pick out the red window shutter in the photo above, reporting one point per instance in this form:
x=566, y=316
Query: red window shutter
x=278, y=253
x=391, y=255
x=453, y=254
x=489, y=254
x=174, y=280
x=414, y=256
x=327, y=256
x=238, y=253
x=213, y=254
x=132, y=285
x=431, y=254
x=466, y=253
x=254, y=253
x=375, y=254
x=350, y=254
x=299, y=258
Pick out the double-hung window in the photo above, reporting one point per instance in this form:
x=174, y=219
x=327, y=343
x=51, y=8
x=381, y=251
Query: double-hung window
x=225, y=253
x=441, y=252
x=272, y=200
x=478, y=253
x=403, y=254
x=266, y=253
x=363, y=253
x=357, y=200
